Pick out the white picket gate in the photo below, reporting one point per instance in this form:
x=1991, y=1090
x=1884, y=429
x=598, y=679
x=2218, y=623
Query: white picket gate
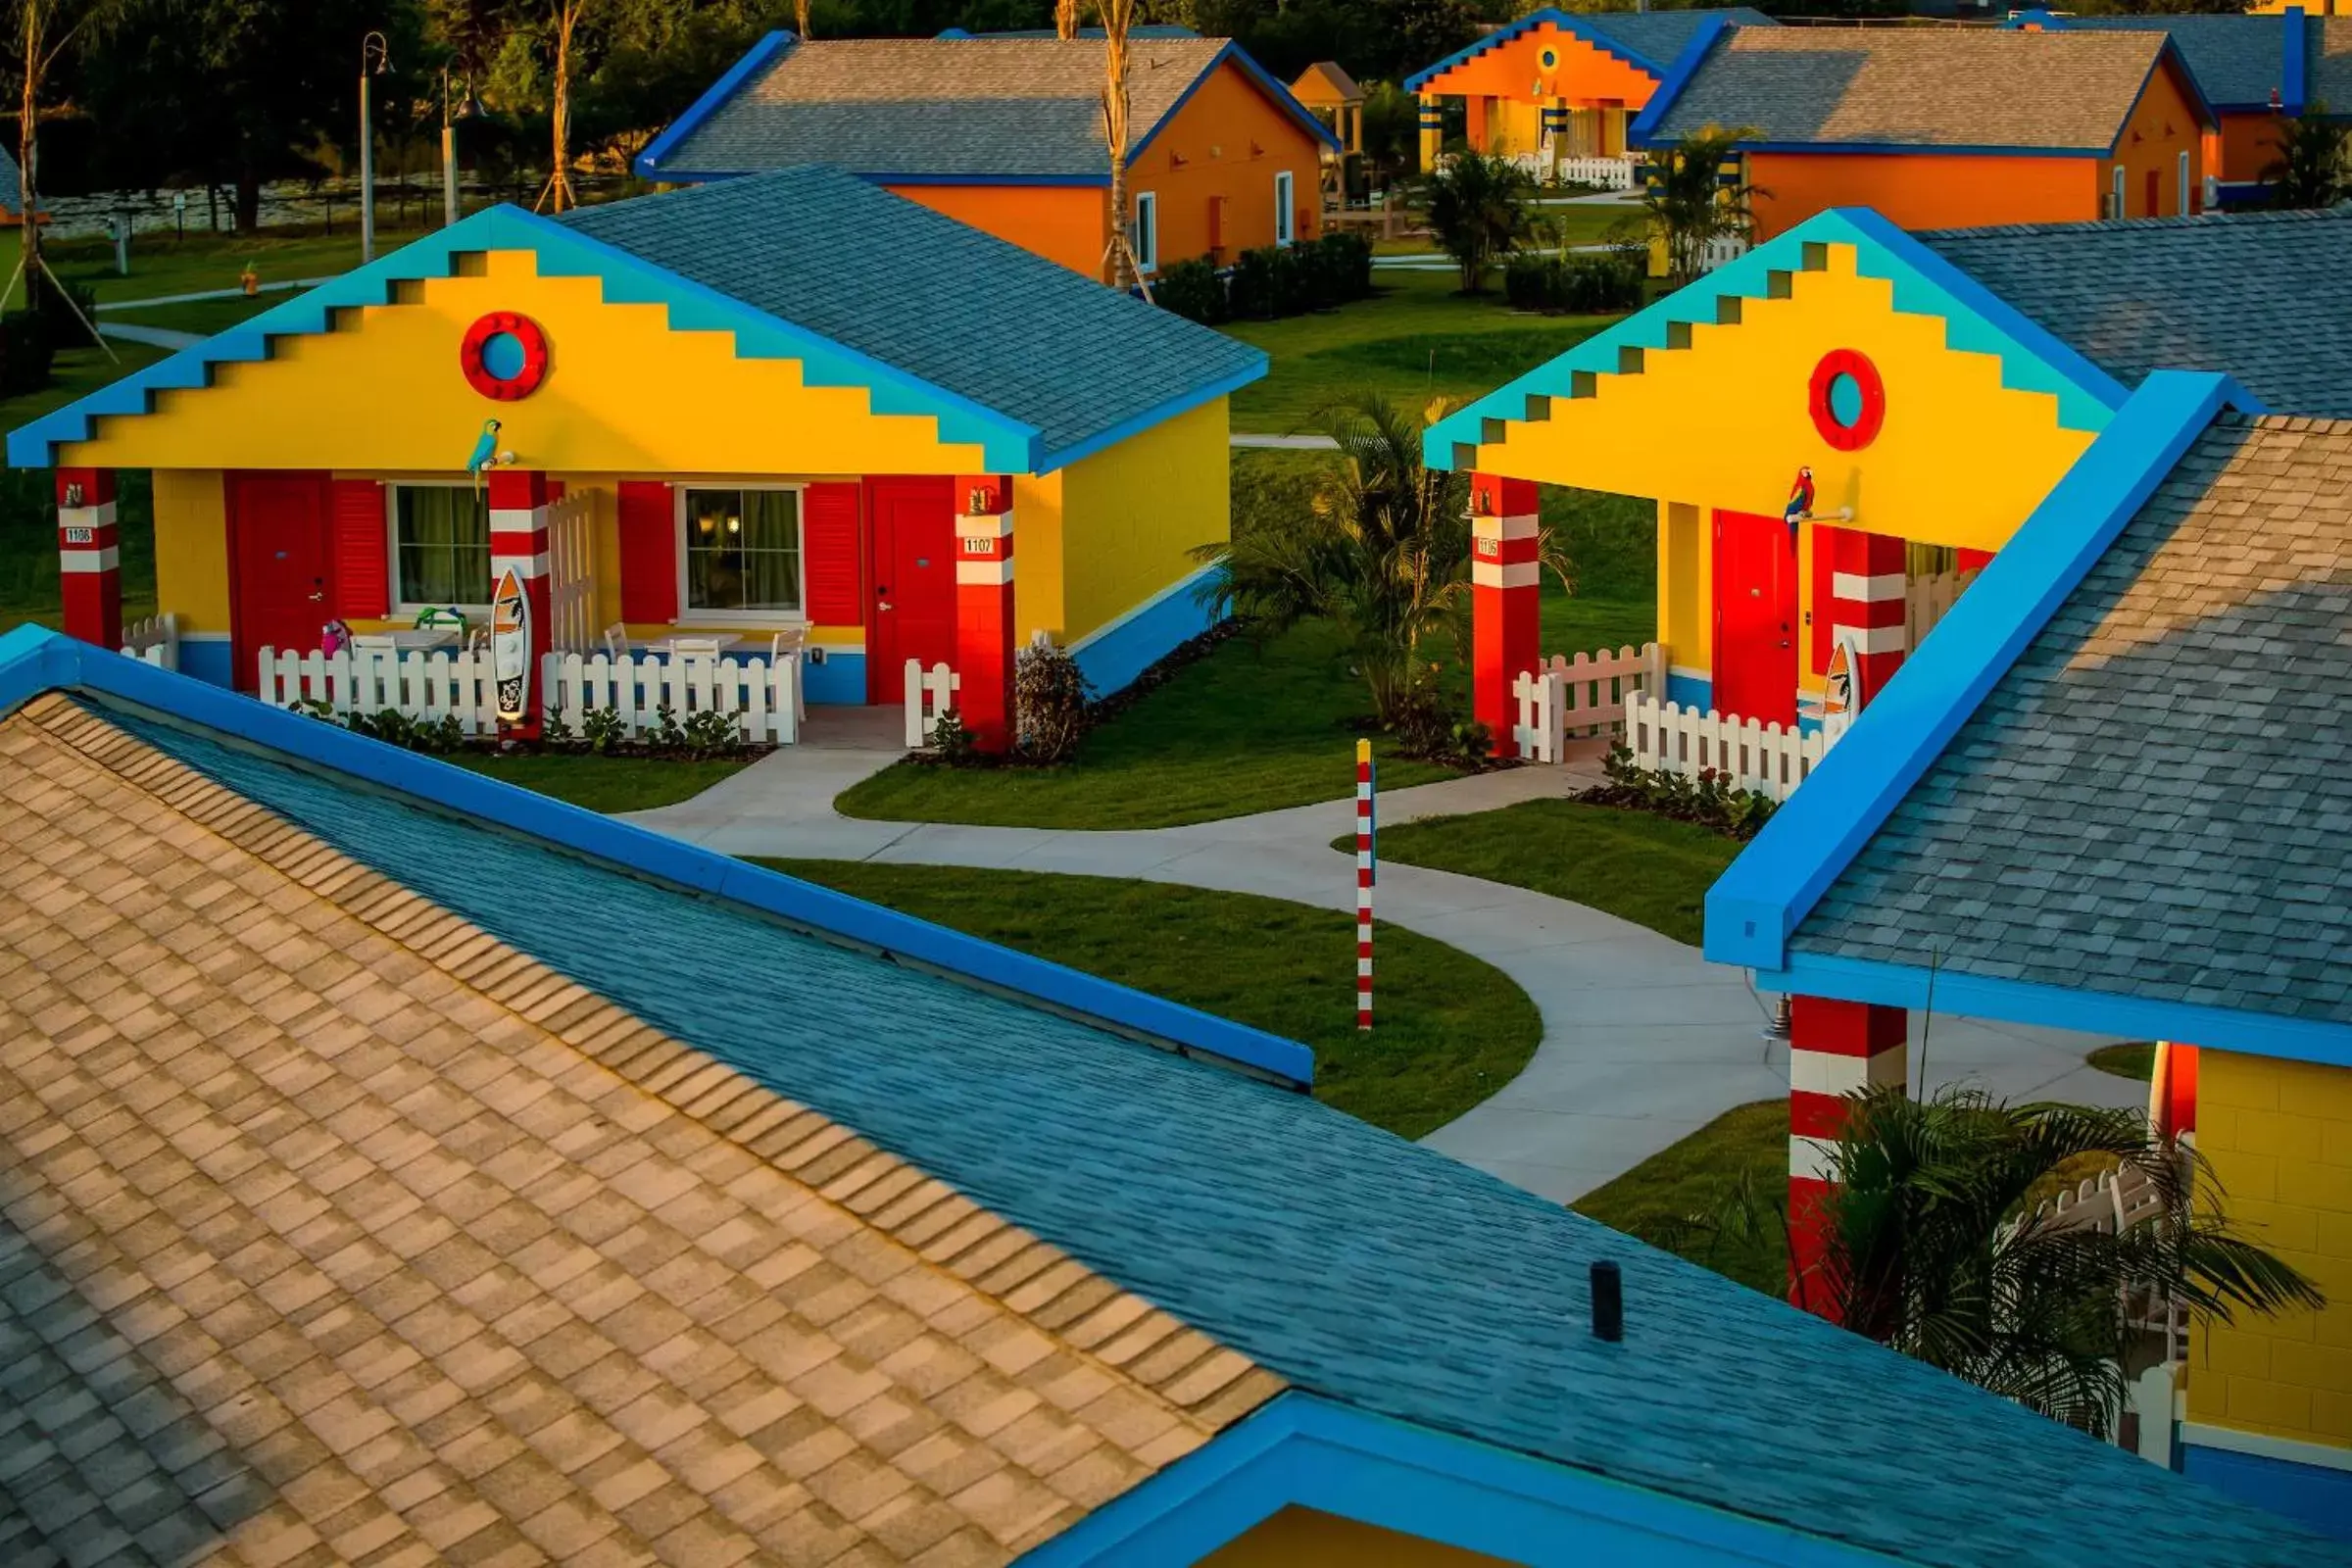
x=929, y=694
x=763, y=698
x=153, y=640
x=571, y=565
x=1669, y=737
x=1565, y=697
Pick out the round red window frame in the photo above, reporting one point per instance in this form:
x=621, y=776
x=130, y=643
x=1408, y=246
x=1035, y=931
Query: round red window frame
x=1865, y=429
x=523, y=382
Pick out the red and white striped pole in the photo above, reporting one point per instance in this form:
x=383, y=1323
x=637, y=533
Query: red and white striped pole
x=1363, y=884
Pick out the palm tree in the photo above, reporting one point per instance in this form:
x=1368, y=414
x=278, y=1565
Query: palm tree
x=45, y=32
x=2308, y=170
x=1938, y=1247
x=558, y=194
x=799, y=17
x=1688, y=206
x=1117, y=17
x=1065, y=18
x=1478, y=211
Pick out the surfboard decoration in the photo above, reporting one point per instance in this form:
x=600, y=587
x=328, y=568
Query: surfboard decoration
x=1839, y=696
x=510, y=645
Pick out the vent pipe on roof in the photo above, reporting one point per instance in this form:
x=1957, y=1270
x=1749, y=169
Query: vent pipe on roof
x=1608, y=1302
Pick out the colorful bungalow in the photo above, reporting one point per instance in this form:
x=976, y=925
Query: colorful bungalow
x=2108, y=795
x=404, y=1167
x=1556, y=85
x=1331, y=95
x=1005, y=133
x=1932, y=389
x=763, y=412
x=1944, y=128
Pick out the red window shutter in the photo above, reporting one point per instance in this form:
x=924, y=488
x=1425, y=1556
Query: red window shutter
x=649, y=553
x=829, y=539
x=363, y=566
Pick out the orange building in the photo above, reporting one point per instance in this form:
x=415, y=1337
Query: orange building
x=1954, y=129
x=1556, y=85
x=1005, y=133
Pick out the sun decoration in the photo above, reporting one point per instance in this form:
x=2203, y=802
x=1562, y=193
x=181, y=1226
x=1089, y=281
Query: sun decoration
x=1848, y=400
x=503, y=355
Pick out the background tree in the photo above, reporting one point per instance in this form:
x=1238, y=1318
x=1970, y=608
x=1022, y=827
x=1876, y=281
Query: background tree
x=1478, y=211
x=1688, y=204
x=44, y=34
x=2308, y=170
x=1065, y=18
x=1117, y=17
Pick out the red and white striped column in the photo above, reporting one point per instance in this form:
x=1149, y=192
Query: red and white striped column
x=1867, y=581
x=90, y=561
x=518, y=501
x=1836, y=1048
x=1364, y=869
x=1504, y=582
x=984, y=612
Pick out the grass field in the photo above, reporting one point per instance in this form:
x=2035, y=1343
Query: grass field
x=201, y=317
x=603, y=783
x=1704, y=1178
x=2133, y=1061
x=1452, y=1030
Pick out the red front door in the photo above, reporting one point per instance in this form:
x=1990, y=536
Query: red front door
x=1756, y=619
x=278, y=586
x=912, y=613
x=2155, y=193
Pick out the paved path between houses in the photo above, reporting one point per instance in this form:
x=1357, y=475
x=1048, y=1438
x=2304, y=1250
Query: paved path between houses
x=1644, y=1041
x=206, y=294
x=1286, y=443
x=161, y=337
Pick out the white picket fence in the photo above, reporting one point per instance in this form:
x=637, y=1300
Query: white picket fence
x=427, y=686
x=1565, y=697
x=1669, y=737
x=1721, y=250
x=153, y=640
x=1610, y=174
x=929, y=694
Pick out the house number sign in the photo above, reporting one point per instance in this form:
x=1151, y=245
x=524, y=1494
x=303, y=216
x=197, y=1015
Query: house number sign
x=81, y=536
x=1489, y=547
x=979, y=545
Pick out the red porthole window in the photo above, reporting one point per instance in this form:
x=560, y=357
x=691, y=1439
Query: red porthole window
x=1847, y=399
x=503, y=355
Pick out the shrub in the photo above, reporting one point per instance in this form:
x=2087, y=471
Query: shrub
x=1192, y=289
x=601, y=728
x=1253, y=288
x=1346, y=258
x=395, y=728
x=26, y=353
x=1049, y=703
x=953, y=741
x=709, y=730
x=1270, y=281
x=1577, y=285
x=1709, y=799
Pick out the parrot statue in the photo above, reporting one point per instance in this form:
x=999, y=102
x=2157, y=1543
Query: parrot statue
x=1801, y=502
x=485, y=452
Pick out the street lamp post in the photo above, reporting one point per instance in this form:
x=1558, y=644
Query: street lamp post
x=376, y=58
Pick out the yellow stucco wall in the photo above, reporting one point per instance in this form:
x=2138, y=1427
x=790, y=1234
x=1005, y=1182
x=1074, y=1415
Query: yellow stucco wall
x=1038, y=603
x=191, y=549
x=1685, y=585
x=1136, y=510
x=1300, y=1537
x=624, y=393
x=2279, y=1135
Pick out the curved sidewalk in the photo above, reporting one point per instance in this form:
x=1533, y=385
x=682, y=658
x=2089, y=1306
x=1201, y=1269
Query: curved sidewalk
x=1644, y=1041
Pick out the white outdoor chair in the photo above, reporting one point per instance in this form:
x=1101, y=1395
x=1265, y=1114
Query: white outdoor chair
x=786, y=645
x=616, y=642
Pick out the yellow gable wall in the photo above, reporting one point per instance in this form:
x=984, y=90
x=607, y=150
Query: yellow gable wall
x=1300, y=1537
x=1724, y=422
x=624, y=394
x=1142, y=505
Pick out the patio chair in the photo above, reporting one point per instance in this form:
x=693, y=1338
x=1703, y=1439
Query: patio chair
x=786, y=645
x=616, y=642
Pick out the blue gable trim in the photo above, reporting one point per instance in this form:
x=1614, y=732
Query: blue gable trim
x=1678, y=77
x=33, y=661
x=2170, y=55
x=1977, y=320
x=1755, y=905
x=2293, y=83
x=1235, y=54
x=1567, y=22
x=647, y=165
x=1009, y=445
x=1307, y=1451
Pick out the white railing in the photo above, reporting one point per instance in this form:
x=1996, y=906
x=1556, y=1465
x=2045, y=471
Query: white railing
x=929, y=694
x=153, y=640
x=571, y=579
x=1927, y=599
x=1563, y=699
x=1768, y=758
x=429, y=686
x=1722, y=249
x=1610, y=174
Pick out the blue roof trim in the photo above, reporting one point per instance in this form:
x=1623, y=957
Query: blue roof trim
x=1009, y=445
x=882, y=178
x=1157, y=414
x=1566, y=22
x=2293, y=85
x=33, y=661
x=648, y=164
x=2170, y=55
x=1282, y=96
x=1678, y=77
x=1977, y=322
x=1756, y=906
x=1304, y=1450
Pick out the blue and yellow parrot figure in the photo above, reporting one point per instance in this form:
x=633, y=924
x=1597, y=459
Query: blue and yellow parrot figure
x=1801, y=502
x=485, y=452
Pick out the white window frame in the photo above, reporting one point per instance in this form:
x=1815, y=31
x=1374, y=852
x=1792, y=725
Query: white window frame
x=2184, y=206
x=1286, y=213
x=402, y=605
x=727, y=619
x=1146, y=232
x=2119, y=195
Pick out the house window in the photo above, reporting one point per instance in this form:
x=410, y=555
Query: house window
x=2117, y=197
x=440, y=544
x=2186, y=206
x=1285, y=213
x=743, y=551
x=1146, y=237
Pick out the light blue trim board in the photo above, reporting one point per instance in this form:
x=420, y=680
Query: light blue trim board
x=1756, y=905
x=2319, y=1499
x=1115, y=653
x=1574, y=25
x=648, y=162
x=1303, y=1451
x=33, y=661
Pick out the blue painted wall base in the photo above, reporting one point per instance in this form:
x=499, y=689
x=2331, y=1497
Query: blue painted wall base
x=208, y=659
x=1690, y=691
x=1111, y=657
x=2313, y=1496
x=841, y=678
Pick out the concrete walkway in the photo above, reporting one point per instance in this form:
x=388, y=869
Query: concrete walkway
x=208, y=294
x=1643, y=1043
x=1286, y=443
x=161, y=337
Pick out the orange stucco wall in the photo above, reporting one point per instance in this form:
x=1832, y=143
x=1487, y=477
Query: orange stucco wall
x=1923, y=190
x=1060, y=222
x=1228, y=141
x=2249, y=142
x=2163, y=127
x=1579, y=73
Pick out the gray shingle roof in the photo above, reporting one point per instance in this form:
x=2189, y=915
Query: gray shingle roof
x=2327, y=63
x=1880, y=86
x=2260, y=295
x=1659, y=35
x=2156, y=801
x=935, y=298
x=2237, y=60
x=1008, y=105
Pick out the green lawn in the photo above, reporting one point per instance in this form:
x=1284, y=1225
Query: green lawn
x=2135, y=1061
x=1451, y=1031
x=603, y=783
x=201, y=317
x=1649, y=869
x=161, y=264
x=1701, y=1179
